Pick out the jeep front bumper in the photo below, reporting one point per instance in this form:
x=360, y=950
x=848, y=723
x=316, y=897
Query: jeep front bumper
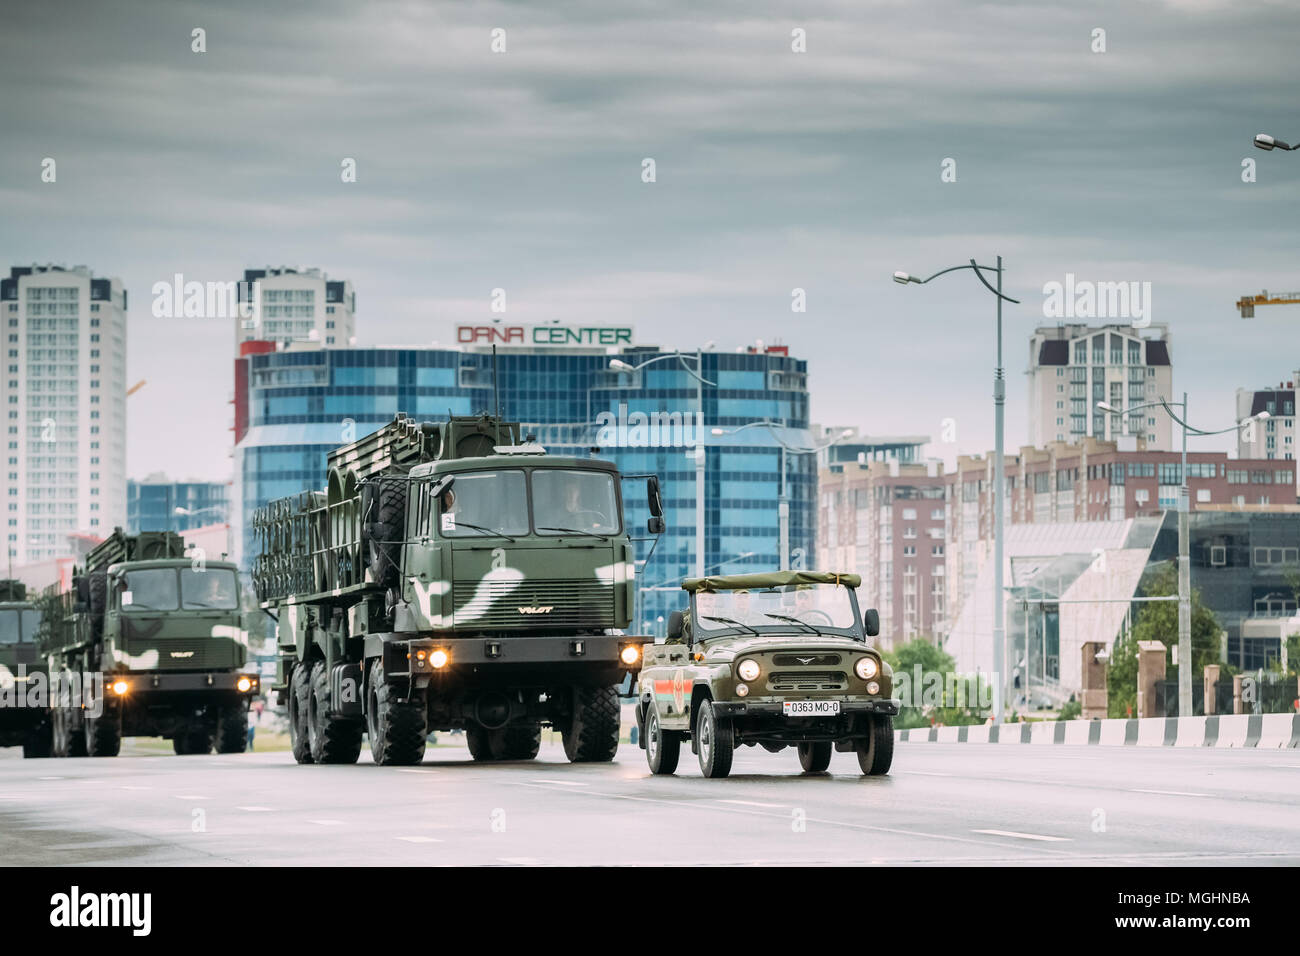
x=762, y=708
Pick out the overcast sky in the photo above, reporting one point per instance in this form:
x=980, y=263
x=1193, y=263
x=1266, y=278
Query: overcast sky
x=775, y=170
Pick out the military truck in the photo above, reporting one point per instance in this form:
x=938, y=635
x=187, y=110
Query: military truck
x=24, y=686
x=147, y=642
x=777, y=660
x=452, y=575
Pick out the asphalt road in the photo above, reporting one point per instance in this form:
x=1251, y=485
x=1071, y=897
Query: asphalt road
x=942, y=804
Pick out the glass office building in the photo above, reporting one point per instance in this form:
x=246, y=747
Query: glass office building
x=294, y=406
x=151, y=504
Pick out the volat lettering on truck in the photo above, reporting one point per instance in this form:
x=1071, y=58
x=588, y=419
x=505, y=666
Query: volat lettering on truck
x=452, y=575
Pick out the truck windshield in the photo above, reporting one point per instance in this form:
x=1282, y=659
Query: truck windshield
x=810, y=608
x=9, y=633
x=209, y=588
x=566, y=501
x=484, y=503
x=151, y=589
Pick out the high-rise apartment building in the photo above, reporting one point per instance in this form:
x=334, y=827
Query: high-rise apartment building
x=1073, y=367
x=64, y=397
x=297, y=305
x=1275, y=436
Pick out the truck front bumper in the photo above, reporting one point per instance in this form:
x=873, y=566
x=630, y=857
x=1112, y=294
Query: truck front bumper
x=238, y=682
x=424, y=659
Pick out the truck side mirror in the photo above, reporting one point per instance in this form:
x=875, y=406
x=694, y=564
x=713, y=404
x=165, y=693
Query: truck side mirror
x=656, y=525
x=443, y=484
x=653, y=497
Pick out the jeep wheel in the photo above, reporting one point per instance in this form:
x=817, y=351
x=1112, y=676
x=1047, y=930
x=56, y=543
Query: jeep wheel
x=232, y=729
x=876, y=753
x=333, y=737
x=516, y=742
x=815, y=757
x=715, y=741
x=299, y=695
x=592, y=733
x=663, y=748
x=396, y=728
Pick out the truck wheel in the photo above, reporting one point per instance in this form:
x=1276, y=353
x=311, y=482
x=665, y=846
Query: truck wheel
x=232, y=729
x=333, y=738
x=876, y=753
x=104, y=733
x=40, y=740
x=299, y=694
x=74, y=741
x=815, y=757
x=592, y=733
x=516, y=742
x=385, y=531
x=715, y=741
x=663, y=748
x=397, y=729
x=479, y=742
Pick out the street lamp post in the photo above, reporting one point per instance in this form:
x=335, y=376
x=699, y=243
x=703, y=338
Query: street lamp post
x=1184, y=543
x=700, y=382
x=783, y=498
x=1000, y=489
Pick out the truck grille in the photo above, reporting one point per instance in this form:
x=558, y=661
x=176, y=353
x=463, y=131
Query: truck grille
x=785, y=681
x=187, y=653
x=540, y=604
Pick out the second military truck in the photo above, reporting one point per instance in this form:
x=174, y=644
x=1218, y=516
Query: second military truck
x=24, y=688
x=452, y=575
x=147, y=643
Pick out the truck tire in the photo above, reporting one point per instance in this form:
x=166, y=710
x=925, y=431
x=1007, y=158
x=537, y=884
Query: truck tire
x=97, y=591
x=385, y=531
x=479, y=742
x=592, y=733
x=815, y=757
x=190, y=740
x=396, y=728
x=232, y=729
x=104, y=733
x=333, y=738
x=715, y=742
x=516, y=742
x=876, y=753
x=663, y=748
x=299, y=695
x=67, y=741
x=40, y=740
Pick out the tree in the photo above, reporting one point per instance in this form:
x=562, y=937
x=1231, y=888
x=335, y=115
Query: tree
x=1122, y=677
x=954, y=707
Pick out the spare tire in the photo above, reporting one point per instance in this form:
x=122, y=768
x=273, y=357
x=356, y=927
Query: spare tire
x=384, y=527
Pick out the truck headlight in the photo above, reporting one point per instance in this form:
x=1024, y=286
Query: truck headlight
x=748, y=670
x=243, y=685
x=630, y=654
x=866, y=668
x=438, y=658
x=120, y=687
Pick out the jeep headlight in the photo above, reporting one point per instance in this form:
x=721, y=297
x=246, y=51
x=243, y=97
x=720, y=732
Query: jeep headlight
x=748, y=670
x=866, y=668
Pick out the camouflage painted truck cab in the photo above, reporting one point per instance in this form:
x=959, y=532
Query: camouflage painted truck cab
x=24, y=684
x=775, y=660
x=148, y=643
x=452, y=576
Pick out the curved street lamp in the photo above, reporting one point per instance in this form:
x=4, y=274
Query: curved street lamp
x=1266, y=142
x=1000, y=488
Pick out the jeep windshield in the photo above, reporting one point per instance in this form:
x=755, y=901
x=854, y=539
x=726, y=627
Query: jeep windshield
x=803, y=608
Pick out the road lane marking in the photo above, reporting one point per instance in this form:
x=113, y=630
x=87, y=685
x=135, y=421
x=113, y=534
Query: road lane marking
x=520, y=860
x=561, y=783
x=413, y=770
x=1024, y=836
x=926, y=773
x=189, y=796
x=1286, y=766
x=677, y=805
x=327, y=823
x=754, y=803
x=257, y=809
x=1169, y=793
x=134, y=788
x=49, y=778
x=420, y=839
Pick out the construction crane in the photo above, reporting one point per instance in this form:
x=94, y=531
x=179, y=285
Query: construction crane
x=1246, y=304
x=135, y=388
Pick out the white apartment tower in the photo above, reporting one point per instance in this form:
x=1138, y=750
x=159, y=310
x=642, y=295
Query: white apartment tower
x=1073, y=367
x=297, y=305
x=1276, y=436
x=64, y=397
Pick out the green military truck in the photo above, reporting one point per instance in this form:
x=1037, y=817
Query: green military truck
x=24, y=685
x=452, y=576
x=775, y=660
x=147, y=643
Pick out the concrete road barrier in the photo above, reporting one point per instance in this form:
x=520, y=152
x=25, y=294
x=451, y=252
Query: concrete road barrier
x=1263, y=731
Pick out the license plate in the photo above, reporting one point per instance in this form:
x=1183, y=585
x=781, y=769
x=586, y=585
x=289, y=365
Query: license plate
x=810, y=708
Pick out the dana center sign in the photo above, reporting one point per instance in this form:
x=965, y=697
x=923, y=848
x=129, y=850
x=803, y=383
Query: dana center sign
x=549, y=334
